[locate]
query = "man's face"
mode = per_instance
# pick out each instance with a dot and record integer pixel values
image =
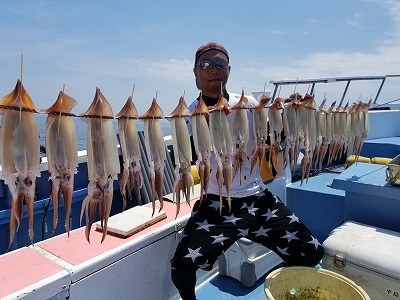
(209, 80)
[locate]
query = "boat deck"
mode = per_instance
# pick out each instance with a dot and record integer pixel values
(225, 288)
(68, 268)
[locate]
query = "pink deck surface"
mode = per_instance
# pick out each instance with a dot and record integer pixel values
(23, 268)
(76, 250)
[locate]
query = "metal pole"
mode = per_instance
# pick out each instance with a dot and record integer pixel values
(275, 89)
(345, 91)
(379, 90)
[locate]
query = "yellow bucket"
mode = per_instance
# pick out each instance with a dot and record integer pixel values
(297, 283)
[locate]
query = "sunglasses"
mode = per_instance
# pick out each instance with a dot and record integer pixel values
(208, 64)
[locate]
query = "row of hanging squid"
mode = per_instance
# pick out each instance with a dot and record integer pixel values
(303, 125)
(320, 131)
(317, 131)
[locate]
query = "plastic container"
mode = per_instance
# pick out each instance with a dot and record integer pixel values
(368, 255)
(290, 283)
(247, 261)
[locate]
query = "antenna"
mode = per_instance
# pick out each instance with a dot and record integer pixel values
(20, 88)
(133, 90)
(22, 63)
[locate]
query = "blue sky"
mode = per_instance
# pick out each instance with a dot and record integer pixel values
(115, 44)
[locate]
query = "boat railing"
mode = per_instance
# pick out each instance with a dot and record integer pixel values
(313, 81)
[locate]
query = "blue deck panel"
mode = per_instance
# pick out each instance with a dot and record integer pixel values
(320, 207)
(369, 198)
(383, 147)
(369, 179)
(226, 288)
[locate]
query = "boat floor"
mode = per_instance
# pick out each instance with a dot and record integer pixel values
(220, 287)
(225, 287)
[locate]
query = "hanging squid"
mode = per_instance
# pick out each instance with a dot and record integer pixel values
(275, 128)
(155, 149)
(240, 135)
(222, 145)
(289, 116)
(19, 154)
(202, 144)
(260, 130)
(103, 162)
(327, 141)
(182, 153)
(310, 140)
(320, 120)
(62, 155)
(306, 125)
(339, 123)
(129, 142)
(360, 126)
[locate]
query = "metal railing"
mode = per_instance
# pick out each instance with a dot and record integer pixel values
(313, 81)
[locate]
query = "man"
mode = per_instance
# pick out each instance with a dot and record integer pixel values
(255, 213)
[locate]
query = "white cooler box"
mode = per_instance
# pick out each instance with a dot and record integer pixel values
(368, 255)
(247, 261)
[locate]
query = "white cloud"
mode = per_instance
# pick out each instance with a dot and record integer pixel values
(377, 60)
(276, 31)
(312, 21)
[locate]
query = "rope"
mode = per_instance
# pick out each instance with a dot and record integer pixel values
(18, 108)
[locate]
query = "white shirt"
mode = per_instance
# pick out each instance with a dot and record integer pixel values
(251, 183)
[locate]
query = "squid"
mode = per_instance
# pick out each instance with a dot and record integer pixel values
(182, 153)
(304, 138)
(347, 135)
(19, 155)
(353, 128)
(62, 155)
(260, 131)
(103, 162)
(240, 135)
(155, 150)
(299, 139)
(222, 144)
(320, 120)
(202, 144)
(327, 141)
(339, 122)
(131, 156)
(276, 128)
(360, 126)
(310, 140)
(289, 116)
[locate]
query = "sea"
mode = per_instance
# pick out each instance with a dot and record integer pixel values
(81, 129)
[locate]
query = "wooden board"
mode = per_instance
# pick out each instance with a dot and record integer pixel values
(132, 221)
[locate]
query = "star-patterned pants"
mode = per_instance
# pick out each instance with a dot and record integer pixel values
(262, 218)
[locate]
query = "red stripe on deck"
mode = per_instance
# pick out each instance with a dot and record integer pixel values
(76, 250)
(22, 268)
